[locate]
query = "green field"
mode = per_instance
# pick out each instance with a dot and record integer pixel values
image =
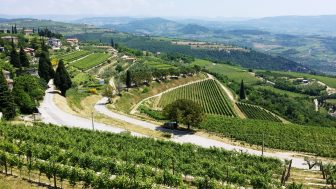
(234, 73)
(207, 94)
(332, 101)
(157, 63)
(312, 139)
(107, 160)
(279, 91)
(255, 112)
(91, 61)
(73, 56)
(330, 81)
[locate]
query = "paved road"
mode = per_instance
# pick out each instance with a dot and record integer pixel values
(52, 114)
(183, 137)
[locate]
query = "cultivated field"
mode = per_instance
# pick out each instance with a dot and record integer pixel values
(106, 160)
(255, 112)
(233, 73)
(74, 56)
(207, 94)
(91, 61)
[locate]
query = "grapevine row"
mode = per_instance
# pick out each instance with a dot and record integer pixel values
(254, 112)
(207, 94)
(139, 159)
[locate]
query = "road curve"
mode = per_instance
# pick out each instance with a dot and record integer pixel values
(52, 114)
(183, 137)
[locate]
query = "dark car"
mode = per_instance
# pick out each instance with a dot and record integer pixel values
(170, 125)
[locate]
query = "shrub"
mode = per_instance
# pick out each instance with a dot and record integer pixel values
(93, 91)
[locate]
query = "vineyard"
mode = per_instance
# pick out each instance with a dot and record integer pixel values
(160, 66)
(255, 112)
(91, 61)
(312, 139)
(106, 160)
(207, 94)
(74, 56)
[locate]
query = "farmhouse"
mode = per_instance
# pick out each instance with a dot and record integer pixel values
(8, 79)
(30, 51)
(10, 39)
(128, 59)
(55, 43)
(72, 41)
(28, 32)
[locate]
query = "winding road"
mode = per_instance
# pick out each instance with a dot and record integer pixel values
(50, 113)
(53, 114)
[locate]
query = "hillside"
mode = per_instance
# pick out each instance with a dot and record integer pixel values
(278, 36)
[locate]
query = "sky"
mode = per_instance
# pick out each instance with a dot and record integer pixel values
(169, 8)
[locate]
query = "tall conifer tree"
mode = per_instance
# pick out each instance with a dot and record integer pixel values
(7, 105)
(62, 79)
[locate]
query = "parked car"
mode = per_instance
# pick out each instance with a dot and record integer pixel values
(171, 125)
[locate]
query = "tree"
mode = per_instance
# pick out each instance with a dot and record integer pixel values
(108, 92)
(14, 57)
(128, 79)
(7, 105)
(23, 58)
(45, 69)
(242, 93)
(27, 91)
(62, 79)
(184, 111)
(112, 43)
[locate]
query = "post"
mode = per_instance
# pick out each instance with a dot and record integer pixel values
(263, 144)
(92, 120)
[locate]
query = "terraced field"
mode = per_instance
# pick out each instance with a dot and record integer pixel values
(255, 112)
(206, 93)
(158, 65)
(74, 56)
(91, 61)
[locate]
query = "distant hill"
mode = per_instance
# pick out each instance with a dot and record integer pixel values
(307, 25)
(147, 26)
(3, 20)
(105, 21)
(193, 29)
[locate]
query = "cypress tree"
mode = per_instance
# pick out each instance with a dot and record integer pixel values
(62, 79)
(23, 58)
(45, 69)
(14, 57)
(7, 105)
(112, 43)
(242, 94)
(128, 79)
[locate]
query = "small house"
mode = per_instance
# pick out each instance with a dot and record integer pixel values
(9, 38)
(2, 49)
(10, 82)
(55, 43)
(30, 51)
(72, 41)
(128, 59)
(28, 32)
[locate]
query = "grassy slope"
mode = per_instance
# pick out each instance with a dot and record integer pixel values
(131, 98)
(331, 82)
(232, 72)
(91, 61)
(279, 91)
